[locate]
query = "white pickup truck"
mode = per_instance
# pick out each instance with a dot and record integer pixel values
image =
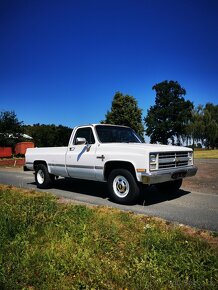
(116, 155)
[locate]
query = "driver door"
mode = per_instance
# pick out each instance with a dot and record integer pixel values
(80, 158)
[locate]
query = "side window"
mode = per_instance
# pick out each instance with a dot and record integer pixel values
(85, 133)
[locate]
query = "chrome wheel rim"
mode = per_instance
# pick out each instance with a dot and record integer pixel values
(40, 176)
(121, 186)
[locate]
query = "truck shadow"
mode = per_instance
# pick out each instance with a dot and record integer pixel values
(149, 195)
(85, 187)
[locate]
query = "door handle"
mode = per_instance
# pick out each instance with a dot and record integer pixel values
(72, 148)
(102, 157)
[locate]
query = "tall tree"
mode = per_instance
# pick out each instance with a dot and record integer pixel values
(211, 125)
(204, 125)
(196, 127)
(11, 128)
(168, 118)
(125, 111)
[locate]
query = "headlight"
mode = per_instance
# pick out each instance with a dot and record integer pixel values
(190, 158)
(153, 166)
(153, 161)
(153, 158)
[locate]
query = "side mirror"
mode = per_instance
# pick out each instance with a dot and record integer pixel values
(80, 141)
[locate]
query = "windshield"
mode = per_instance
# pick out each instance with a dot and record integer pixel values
(116, 134)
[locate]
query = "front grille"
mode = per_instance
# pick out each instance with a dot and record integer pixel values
(172, 159)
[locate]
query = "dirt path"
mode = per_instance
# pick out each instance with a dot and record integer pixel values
(206, 179)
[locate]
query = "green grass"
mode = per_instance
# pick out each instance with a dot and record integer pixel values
(206, 153)
(48, 245)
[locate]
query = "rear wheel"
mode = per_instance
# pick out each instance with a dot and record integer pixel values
(122, 186)
(42, 177)
(169, 186)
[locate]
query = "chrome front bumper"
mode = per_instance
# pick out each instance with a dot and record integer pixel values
(168, 175)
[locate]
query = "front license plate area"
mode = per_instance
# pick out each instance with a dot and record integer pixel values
(180, 174)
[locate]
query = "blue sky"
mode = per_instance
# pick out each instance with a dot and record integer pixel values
(61, 62)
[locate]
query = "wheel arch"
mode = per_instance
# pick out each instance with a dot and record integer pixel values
(37, 162)
(111, 165)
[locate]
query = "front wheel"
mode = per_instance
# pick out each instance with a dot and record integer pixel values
(170, 186)
(122, 186)
(42, 177)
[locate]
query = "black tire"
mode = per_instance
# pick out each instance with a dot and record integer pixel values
(42, 177)
(169, 186)
(123, 187)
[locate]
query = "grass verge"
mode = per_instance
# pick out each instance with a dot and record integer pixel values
(45, 244)
(206, 153)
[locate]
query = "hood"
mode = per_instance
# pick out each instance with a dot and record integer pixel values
(145, 147)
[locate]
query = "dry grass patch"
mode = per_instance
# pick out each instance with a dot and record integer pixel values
(204, 154)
